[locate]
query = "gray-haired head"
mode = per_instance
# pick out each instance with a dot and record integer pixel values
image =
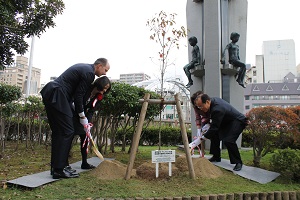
(102, 61)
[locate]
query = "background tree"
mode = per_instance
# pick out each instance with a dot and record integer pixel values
(21, 19)
(164, 32)
(8, 93)
(33, 109)
(270, 128)
(120, 109)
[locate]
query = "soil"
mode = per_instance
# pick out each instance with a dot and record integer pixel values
(113, 169)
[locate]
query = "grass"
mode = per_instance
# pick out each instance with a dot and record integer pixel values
(16, 163)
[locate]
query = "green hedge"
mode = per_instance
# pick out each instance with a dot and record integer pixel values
(287, 163)
(150, 136)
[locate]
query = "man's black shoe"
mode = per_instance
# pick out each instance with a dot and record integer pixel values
(64, 174)
(87, 166)
(238, 167)
(214, 159)
(70, 169)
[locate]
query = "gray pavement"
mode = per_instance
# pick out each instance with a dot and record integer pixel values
(42, 178)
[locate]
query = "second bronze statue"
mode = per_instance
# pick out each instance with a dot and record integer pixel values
(234, 57)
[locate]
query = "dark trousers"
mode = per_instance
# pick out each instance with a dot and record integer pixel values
(83, 149)
(242, 70)
(62, 135)
(229, 135)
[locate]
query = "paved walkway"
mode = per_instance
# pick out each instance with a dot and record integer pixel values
(42, 178)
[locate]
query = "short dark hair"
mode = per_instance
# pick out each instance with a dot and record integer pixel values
(199, 94)
(194, 96)
(102, 61)
(205, 98)
(101, 82)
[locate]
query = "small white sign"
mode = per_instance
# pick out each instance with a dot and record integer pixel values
(161, 156)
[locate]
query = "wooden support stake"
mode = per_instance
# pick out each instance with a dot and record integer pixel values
(136, 136)
(185, 138)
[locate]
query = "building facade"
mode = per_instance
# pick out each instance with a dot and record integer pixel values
(278, 59)
(17, 75)
(284, 94)
(133, 78)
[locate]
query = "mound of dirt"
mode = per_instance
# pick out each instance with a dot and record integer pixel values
(202, 167)
(112, 169)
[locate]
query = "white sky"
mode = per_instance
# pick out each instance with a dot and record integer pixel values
(117, 31)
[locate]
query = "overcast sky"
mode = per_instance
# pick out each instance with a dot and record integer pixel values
(117, 31)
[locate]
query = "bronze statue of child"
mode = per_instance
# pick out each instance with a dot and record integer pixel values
(234, 58)
(196, 59)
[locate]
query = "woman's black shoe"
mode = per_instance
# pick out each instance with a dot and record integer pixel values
(63, 174)
(87, 166)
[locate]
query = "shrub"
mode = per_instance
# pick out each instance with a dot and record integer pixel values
(287, 162)
(170, 136)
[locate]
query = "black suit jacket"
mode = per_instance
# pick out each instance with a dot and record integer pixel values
(223, 116)
(69, 87)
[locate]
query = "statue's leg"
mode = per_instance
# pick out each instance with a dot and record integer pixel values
(242, 70)
(188, 73)
(241, 73)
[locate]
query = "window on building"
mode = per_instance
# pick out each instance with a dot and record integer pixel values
(247, 97)
(247, 107)
(256, 88)
(269, 88)
(254, 73)
(285, 88)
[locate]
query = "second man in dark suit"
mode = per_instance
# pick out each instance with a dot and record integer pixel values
(226, 124)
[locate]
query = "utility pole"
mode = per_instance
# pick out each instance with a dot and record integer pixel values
(30, 66)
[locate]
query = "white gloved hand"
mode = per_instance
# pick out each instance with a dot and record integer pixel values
(203, 138)
(195, 143)
(205, 128)
(87, 129)
(199, 133)
(83, 121)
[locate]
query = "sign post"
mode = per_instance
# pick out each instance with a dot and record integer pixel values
(163, 156)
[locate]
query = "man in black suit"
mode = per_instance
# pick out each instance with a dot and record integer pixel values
(58, 96)
(226, 124)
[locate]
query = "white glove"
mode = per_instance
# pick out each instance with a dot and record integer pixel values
(199, 133)
(87, 129)
(195, 143)
(205, 128)
(203, 138)
(83, 121)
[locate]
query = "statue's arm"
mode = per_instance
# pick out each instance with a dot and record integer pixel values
(223, 54)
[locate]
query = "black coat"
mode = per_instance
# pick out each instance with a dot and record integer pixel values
(223, 116)
(69, 87)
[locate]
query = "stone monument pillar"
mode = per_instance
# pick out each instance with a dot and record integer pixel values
(212, 21)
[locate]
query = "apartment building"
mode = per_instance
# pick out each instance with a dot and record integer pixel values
(284, 94)
(133, 78)
(17, 74)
